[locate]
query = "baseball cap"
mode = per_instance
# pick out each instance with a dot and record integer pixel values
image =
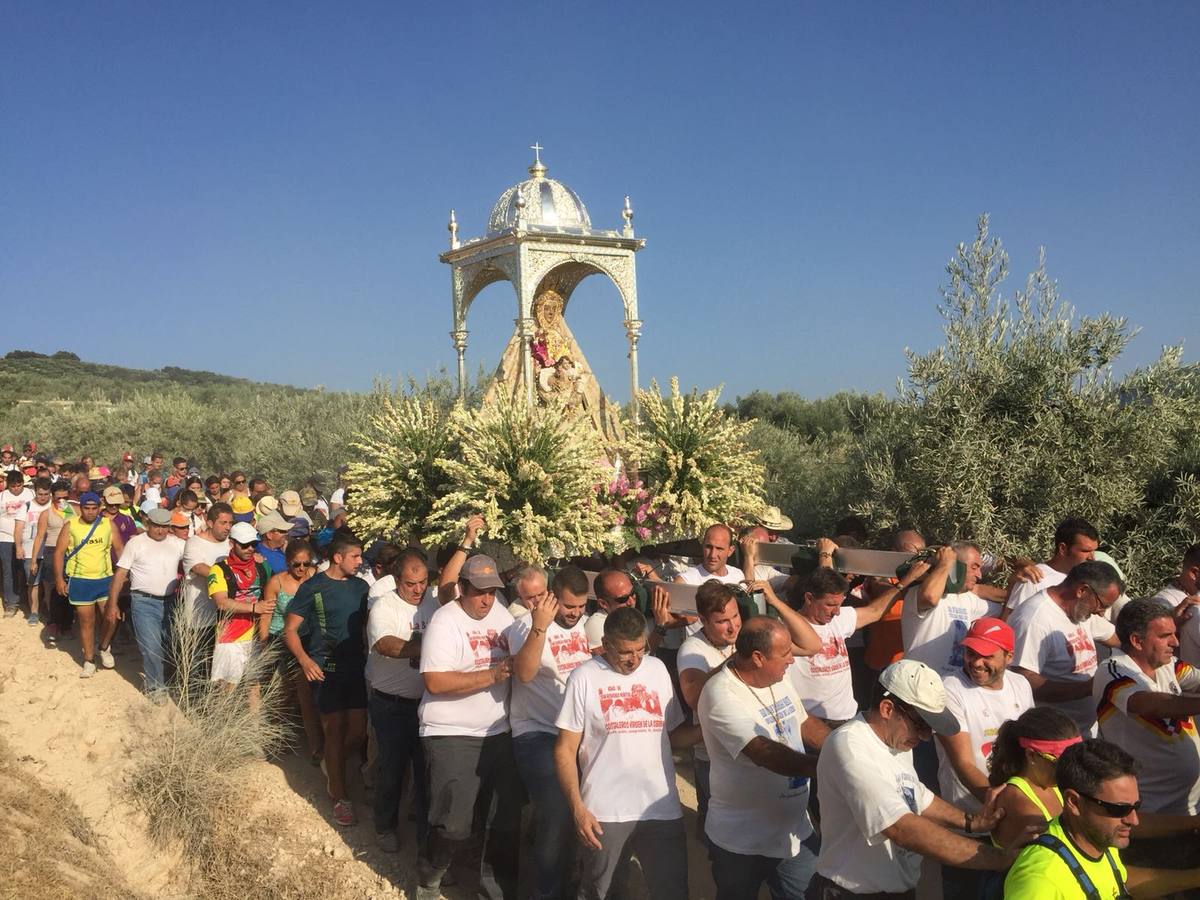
(31, 445)
(988, 635)
(7, 448)
(128, 457)
(113, 495)
(308, 497)
(89, 497)
(481, 572)
(158, 515)
(289, 503)
(919, 687)
(273, 521)
(243, 533)
(265, 506)
(179, 520)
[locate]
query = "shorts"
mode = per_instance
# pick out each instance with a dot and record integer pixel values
(32, 580)
(86, 591)
(229, 660)
(341, 691)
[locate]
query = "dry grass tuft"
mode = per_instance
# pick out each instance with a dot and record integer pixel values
(50, 848)
(192, 776)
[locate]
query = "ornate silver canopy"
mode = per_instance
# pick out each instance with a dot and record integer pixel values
(540, 238)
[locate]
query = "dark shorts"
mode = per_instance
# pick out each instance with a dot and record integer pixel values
(341, 691)
(86, 591)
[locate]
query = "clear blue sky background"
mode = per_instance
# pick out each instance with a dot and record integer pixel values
(262, 189)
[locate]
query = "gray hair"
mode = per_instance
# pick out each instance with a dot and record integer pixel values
(525, 573)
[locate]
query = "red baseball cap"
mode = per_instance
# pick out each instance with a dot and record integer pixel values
(988, 635)
(128, 457)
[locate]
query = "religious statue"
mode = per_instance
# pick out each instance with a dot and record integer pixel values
(555, 374)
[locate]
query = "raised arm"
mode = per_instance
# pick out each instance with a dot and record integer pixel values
(934, 585)
(448, 580)
(878, 608)
(805, 641)
(529, 658)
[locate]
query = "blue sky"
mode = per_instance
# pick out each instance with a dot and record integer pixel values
(262, 189)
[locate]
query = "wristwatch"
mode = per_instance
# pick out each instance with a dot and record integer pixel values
(660, 630)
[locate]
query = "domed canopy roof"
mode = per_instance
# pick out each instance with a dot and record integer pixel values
(540, 202)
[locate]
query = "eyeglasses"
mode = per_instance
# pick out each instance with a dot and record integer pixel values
(917, 722)
(1115, 810)
(300, 563)
(239, 481)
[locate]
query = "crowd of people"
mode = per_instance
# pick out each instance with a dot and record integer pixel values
(1026, 727)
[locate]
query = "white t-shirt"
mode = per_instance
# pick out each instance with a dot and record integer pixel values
(536, 703)
(392, 616)
(455, 642)
(1167, 750)
(698, 653)
(151, 498)
(1050, 644)
(698, 575)
(1189, 629)
(13, 507)
(626, 773)
(932, 637)
(753, 810)
(980, 712)
(864, 787)
(29, 532)
(338, 497)
(822, 681)
(1027, 589)
(197, 606)
(153, 566)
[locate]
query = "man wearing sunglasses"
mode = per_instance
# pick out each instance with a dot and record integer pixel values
(1056, 641)
(1147, 700)
(877, 819)
(1079, 856)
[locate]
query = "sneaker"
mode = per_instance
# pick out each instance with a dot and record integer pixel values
(33, 619)
(343, 813)
(89, 669)
(387, 841)
(106, 658)
(10, 611)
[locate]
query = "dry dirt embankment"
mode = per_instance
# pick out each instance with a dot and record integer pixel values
(67, 806)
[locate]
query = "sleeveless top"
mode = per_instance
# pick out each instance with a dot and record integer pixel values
(282, 599)
(93, 559)
(1027, 789)
(55, 520)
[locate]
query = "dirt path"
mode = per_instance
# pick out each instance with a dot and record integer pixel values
(74, 735)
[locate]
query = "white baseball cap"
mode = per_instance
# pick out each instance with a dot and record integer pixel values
(919, 686)
(243, 533)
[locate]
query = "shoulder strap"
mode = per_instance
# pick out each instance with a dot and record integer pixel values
(1056, 846)
(1023, 786)
(1108, 854)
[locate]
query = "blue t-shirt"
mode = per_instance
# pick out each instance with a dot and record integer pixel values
(335, 614)
(274, 558)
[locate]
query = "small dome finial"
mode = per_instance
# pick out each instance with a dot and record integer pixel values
(452, 227)
(538, 169)
(627, 215)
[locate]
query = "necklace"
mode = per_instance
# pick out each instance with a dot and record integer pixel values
(773, 709)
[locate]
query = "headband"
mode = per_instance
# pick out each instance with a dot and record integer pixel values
(1054, 748)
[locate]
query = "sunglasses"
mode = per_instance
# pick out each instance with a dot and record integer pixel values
(624, 598)
(1114, 810)
(299, 564)
(244, 546)
(239, 481)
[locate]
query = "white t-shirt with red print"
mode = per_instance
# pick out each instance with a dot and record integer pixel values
(823, 681)
(456, 642)
(1050, 644)
(626, 773)
(536, 703)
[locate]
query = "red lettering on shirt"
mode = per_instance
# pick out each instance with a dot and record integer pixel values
(485, 644)
(632, 708)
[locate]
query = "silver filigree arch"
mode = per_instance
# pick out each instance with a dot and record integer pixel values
(533, 260)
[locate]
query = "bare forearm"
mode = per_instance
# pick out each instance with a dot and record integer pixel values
(458, 683)
(779, 758)
(805, 641)
(390, 646)
(930, 839)
(1056, 691)
(685, 736)
(529, 658)
(567, 770)
(1156, 705)
(945, 814)
(1144, 883)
